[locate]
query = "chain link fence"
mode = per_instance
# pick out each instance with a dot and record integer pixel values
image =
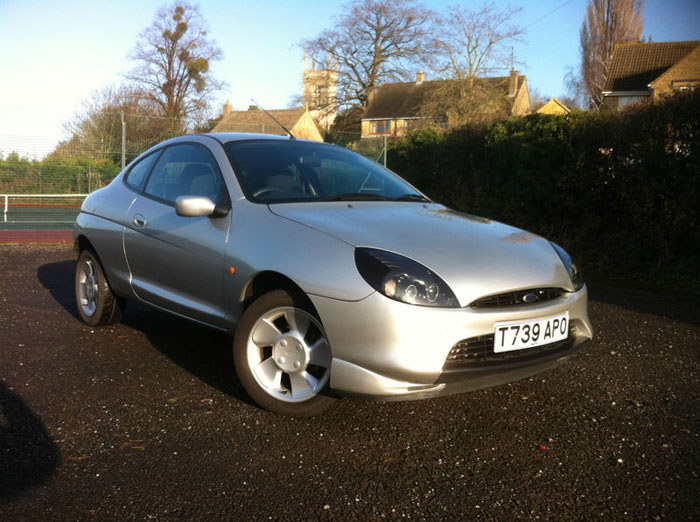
(42, 187)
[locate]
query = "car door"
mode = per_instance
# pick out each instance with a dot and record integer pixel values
(176, 262)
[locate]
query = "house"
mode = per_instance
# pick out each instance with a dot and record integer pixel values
(553, 106)
(644, 71)
(310, 121)
(396, 108)
(298, 121)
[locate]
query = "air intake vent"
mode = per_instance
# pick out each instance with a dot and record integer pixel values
(478, 351)
(518, 298)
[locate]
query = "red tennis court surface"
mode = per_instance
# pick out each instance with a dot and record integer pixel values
(48, 222)
(36, 236)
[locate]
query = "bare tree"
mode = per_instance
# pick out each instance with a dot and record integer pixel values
(475, 42)
(174, 56)
(537, 99)
(373, 41)
(607, 22)
(96, 128)
(472, 44)
(459, 102)
(570, 101)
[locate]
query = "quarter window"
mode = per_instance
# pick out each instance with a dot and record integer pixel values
(137, 174)
(185, 170)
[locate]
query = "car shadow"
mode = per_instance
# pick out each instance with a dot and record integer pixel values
(58, 279)
(29, 455)
(205, 353)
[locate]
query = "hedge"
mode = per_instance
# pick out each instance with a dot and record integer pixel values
(619, 190)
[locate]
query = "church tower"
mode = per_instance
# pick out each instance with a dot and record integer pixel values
(321, 91)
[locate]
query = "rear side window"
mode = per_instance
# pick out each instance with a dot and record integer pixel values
(137, 174)
(185, 170)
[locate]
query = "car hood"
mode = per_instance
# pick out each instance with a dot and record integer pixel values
(473, 255)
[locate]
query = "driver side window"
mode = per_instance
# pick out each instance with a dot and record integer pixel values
(185, 170)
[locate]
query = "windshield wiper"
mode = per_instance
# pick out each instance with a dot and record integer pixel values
(412, 197)
(357, 196)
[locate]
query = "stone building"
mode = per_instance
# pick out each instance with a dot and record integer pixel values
(299, 122)
(311, 121)
(554, 106)
(396, 108)
(320, 94)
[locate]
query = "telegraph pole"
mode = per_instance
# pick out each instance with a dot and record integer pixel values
(123, 140)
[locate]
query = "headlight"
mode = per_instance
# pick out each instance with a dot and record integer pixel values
(571, 267)
(402, 279)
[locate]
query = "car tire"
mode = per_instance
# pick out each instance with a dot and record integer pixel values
(282, 355)
(97, 304)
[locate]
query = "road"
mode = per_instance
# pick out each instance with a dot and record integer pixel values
(146, 421)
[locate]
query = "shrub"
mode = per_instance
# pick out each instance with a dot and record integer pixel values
(620, 190)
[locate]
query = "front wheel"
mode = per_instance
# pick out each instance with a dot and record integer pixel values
(282, 356)
(97, 305)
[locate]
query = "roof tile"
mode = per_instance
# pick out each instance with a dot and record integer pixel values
(254, 120)
(635, 66)
(404, 99)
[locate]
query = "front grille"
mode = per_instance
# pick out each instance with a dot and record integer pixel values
(478, 351)
(535, 295)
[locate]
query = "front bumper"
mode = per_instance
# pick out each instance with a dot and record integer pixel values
(385, 349)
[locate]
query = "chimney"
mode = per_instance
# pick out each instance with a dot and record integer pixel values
(227, 107)
(420, 77)
(513, 82)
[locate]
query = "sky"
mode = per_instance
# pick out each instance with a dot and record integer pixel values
(54, 54)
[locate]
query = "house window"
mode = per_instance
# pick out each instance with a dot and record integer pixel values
(411, 125)
(380, 127)
(624, 101)
(685, 85)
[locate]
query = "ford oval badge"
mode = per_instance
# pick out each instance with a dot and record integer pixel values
(530, 297)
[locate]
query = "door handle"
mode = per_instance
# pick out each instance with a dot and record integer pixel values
(139, 220)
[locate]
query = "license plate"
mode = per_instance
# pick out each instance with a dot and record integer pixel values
(528, 334)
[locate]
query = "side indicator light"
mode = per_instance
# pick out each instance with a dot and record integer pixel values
(233, 270)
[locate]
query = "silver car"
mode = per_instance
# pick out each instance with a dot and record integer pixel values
(334, 276)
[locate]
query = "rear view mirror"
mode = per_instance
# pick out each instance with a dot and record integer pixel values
(310, 160)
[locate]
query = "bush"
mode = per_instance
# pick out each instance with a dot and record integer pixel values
(620, 190)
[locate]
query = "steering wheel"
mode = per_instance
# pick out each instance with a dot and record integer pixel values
(266, 190)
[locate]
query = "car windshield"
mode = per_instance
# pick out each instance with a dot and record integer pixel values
(272, 171)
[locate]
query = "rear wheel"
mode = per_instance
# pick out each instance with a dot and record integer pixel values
(282, 355)
(97, 305)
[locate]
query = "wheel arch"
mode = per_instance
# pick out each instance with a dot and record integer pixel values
(81, 243)
(269, 280)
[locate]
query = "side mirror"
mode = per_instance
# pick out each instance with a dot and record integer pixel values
(195, 206)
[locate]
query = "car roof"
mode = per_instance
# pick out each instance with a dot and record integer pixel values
(225, 137)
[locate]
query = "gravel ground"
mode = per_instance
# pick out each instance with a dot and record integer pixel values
(145, 421)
